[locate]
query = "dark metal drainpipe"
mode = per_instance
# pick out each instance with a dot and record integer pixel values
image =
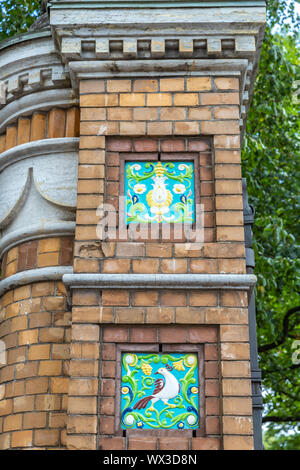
(257, 403)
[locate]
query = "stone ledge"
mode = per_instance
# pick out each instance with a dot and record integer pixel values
(161, 281)
(52, 273)
(38, 101)
(38, 148)
(34, 232)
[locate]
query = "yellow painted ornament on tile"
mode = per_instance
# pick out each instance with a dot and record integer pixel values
(159, 198)
(178, 365)
(146, 368)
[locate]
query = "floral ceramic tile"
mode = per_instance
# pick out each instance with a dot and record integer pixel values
(159, 391)
(160, 192)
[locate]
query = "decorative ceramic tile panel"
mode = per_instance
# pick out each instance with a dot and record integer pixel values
(159, 391)
(161, 192)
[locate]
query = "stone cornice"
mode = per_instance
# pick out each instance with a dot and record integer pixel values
(28, 64)
(24, 37)
(201, 39)
(153, 4)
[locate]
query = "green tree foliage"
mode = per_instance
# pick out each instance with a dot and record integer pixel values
(16, 16)
(271, 166)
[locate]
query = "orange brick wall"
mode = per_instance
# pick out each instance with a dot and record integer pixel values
(57, 389)
(124, 115)
(35, 328)
(41, 125)
(167, 110)
(217, 320)
(38, 254)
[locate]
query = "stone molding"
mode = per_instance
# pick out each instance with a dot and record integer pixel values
(38, 190)
(161, 281)
(98, 42)
(36, 232)
(51, 273)
(38, 101)
(30, 64)
(38, 148)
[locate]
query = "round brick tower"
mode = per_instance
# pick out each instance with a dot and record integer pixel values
(87, 300)
(39, 128)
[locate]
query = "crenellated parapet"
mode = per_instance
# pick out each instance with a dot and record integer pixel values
(33, 77)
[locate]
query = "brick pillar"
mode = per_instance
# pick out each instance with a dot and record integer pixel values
(35, 329)
(131, 119)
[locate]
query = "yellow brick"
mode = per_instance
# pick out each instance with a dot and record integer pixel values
(7, 298)
(11, 269)
(132, 99)
(82, 424)
(28, 337)
(227, 83)
(22, 293)
(99, 100)
(225, 234)
(39, 351)
(237, 406)
(21, 439)
(159, 99)
(59, 384)
(238, 442)
(48, 259)
(173, 114)
(237, 425)
(186, 128)
(145, 114)
(90, 171)
(92, 142)
(186, 99)
(49, 244)
(229, 218)
(159, 128)
(12, 310)
(200, 113)
(198, 83)
(172, 84)
(12, 423)
(118, 85)
(12, 255)
(145, 85)
(132, 128)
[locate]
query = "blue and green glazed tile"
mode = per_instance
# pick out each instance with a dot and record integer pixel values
(160, 192)
(159, 391)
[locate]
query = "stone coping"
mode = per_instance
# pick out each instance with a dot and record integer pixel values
(51, 273)
(161, 281)
(38, 148)
(153, 4)
(34, 232)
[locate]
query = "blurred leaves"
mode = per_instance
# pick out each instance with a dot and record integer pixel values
(17, 16)
(271, 166)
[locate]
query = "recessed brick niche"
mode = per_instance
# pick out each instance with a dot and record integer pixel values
(198, 340)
